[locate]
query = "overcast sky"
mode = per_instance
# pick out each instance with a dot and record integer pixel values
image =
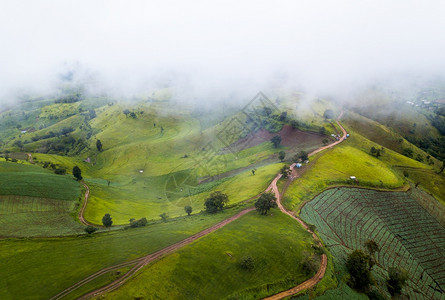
(322, 45)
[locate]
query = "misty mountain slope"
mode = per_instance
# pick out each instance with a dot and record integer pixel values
(418, 121)
(386, 137)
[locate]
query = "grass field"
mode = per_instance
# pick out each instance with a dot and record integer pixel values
(408, 236)
(209, 268)
(351, 158)
(334, 168)
(149, 197)
(40, 268)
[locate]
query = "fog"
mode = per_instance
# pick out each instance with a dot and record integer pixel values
(211, 49)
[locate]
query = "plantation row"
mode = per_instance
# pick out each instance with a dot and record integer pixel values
(22, 216)
(407, 235)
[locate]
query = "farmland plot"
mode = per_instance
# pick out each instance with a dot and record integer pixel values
(408, 236)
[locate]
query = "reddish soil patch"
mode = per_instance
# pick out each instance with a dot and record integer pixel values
(290, 138)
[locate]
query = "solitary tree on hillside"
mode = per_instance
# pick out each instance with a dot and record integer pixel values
(164, 217)
(77, 173)
(281, 155)
(285, 172)
(188, 209)
(283, 116)
(99, 145)
(215, 202)
(265, 202)
(106, 220)
(276, 140)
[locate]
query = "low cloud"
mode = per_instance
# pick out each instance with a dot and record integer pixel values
(219, 48)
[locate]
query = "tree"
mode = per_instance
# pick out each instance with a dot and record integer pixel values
(325, 141)
(300, 156)
(92, 113)
(443, 167)
(99, 145)
(283, 116)
(215, 202)
(77, 173)
(276, 140)
(294, 124)
(247, 263)
(267, 111)
(138, 223)
(396, 280)
(133, 115)
(358, 267)
(328, 114)
(253, 171)
(188, 209)
(322, 130)
(107, 221)
(164, 217)
(285, 172)
(90, 229)
(281, 155)
(126, 112)
(371, 247)
(265, 202)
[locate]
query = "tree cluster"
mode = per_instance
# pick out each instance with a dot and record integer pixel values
(138, 223)
(215, 202)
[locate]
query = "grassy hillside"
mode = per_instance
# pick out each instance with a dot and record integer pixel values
(276, 243)
(29, 264)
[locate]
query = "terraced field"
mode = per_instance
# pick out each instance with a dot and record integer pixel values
(36, 202)
(408, 236)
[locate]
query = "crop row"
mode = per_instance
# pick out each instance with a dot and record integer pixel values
(406, 233)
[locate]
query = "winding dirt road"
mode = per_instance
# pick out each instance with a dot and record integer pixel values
(311, 282)
(143, 261)
(84, 206)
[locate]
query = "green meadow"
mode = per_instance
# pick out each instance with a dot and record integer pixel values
(210, 267)
(43, 267)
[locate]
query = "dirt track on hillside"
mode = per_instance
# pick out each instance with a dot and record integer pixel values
(84, 206)
(141, 262)
(311, 282)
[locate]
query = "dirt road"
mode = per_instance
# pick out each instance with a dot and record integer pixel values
(84, 206)
(141, 262)
(324, 260)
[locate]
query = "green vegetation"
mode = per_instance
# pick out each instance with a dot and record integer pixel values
(45, 260)
(265, 202)
(216, 202)
(276, 246)
(36, 202)
(346, 218)
(334, 168)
